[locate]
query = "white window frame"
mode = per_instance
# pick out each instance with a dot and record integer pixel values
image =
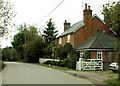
(99, 54)
(60, 40)
(68, 38)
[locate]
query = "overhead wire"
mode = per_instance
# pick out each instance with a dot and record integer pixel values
(51, 12)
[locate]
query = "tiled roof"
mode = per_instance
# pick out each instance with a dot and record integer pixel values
(77, 26)
(73, 28)
(98, 40)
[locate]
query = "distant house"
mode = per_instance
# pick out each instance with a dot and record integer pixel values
(90, 34)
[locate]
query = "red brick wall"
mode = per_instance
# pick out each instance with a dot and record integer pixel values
(93, 54)
(78, 37)
(113, 56)
(72, 40)
(64, 40)
(97, 25)
(104, 56)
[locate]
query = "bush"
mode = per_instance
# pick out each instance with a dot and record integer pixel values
(60, 63)
(53, 62)
(47, 62)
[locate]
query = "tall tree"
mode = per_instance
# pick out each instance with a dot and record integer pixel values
(50, 32)
(28, 43)
(111, 12)
(6, 15)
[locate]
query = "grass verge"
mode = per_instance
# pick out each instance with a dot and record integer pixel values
(56, 67)
(113, 82)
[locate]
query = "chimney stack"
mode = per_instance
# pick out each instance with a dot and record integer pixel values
(87, 18)
(66, 25)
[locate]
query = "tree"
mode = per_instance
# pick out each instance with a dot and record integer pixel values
(18, 41)
(60, 53)
(28, 44)
(68, 55)
(50, 33)
(111, 12)
(6, 15)
(9, 54)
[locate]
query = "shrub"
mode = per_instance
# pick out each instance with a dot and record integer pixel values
(60, 63)
(53, 62)
(47, 62)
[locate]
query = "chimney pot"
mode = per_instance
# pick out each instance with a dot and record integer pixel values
(65, 21)
(88, 7)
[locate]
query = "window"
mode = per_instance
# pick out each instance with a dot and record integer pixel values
(99, 54)
(60, 40)
(68, 38)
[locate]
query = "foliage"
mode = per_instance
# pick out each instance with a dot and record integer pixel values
(60, 53)
(64, 51)
(61, 63)
(50, 33)
(28, 44)
(6, 15)
(86, 55)
(53, 62)
(68, 47)
(118, 60)
(33, 50)
(50, 51)
(47, 62)
(67, 55)
(9, 54)
(72, 60)
(112, 15)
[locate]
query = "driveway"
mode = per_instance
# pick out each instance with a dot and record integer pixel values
(22, 73)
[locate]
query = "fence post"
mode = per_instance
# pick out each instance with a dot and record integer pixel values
(80, 64)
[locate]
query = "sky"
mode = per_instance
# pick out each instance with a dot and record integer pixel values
(35, 12)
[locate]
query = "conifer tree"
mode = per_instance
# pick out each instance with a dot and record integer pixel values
(50, 34)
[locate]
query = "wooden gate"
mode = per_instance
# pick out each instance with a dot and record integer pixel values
(89, 64)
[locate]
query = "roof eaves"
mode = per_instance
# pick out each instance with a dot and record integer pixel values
(113, 31)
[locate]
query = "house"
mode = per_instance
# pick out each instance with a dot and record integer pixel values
(90, 34)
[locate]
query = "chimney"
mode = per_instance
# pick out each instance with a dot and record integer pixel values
(87, 18)
(66, 25)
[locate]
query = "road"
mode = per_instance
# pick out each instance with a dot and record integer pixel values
(22, 73)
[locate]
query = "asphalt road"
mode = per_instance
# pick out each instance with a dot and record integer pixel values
(22, 73)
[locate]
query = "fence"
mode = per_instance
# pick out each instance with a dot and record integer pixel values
(89, 64)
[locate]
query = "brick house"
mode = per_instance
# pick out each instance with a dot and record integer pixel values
(90, 34)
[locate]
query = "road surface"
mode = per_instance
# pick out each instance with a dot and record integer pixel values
(22, 73)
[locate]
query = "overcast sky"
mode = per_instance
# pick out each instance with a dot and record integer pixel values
(33, 12)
